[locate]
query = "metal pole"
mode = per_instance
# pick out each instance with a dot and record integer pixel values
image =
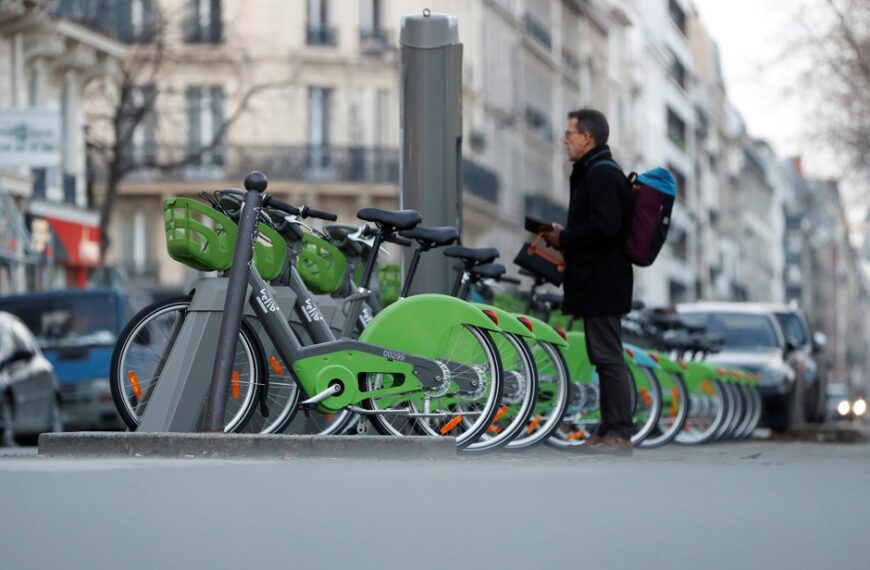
(431, 133)
(237, 287)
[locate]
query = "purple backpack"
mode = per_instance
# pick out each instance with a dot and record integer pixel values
(653, 194)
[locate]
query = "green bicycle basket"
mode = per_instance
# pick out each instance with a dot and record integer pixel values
(321, 265)
(389, 283)
(200, 237)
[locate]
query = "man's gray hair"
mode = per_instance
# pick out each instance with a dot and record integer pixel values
(592, 122)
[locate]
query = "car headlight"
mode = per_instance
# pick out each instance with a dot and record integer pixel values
(843, 407)
(859, 407)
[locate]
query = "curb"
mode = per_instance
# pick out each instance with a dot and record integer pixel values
(826, 434)
(241, 446)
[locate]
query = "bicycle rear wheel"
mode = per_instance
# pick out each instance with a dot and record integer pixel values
(553, 388)
(141, 352)
(707, 412)
(518, 397)
(675, 410)
(465, 353)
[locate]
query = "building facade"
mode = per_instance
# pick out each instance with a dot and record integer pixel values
(49, 232)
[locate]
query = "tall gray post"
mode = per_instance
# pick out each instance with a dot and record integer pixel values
(431, 134)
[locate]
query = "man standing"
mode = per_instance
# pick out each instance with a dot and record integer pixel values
(598, 276)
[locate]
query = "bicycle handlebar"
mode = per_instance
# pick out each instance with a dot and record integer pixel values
(303, 212)
(307, 212)
(511, 280)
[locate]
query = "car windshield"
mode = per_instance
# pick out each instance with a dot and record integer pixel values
(77, 320)
(744, 331)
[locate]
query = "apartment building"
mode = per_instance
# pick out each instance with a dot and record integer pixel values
(324, 122)
(49, 235)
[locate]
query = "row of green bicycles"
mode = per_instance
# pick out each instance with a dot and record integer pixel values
(332, 341)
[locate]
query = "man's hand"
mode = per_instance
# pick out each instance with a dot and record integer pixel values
(552, 236)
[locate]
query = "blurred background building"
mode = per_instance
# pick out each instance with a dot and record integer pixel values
(143, 99)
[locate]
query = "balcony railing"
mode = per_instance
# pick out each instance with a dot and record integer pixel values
(321, 35)
(372, 41)
(320, 163)
(480, 181)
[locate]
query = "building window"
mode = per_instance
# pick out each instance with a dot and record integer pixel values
(139, 25)
(538, 31)
(680, 179)
(205, 117)
(676, 129)
(203, 23)
(678, 71)
(677, 15)
(372, 38)
(142, 149)
(319, 155)
(318, 31)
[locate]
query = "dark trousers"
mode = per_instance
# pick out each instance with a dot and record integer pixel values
(604, 345)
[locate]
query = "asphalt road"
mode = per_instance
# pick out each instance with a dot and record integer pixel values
(749, 505)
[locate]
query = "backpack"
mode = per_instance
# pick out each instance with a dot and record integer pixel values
(652, 194)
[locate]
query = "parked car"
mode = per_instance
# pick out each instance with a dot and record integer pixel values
(29, 392)
(842, 404)
(76, 330)
(754, 340)
(802, 358)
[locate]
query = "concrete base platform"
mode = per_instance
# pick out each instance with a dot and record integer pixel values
(242, 446)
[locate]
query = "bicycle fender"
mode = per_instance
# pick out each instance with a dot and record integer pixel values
(543, 332)
(640, 356)
(507, 322)
(579, 366)
(410, 324)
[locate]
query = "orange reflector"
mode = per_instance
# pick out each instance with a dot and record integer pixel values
(720, 372)
(501, 411)
(494, 429)
(533, 425)
(574, 435)
(673, 409)
(675, 394)
(682, 364)
(630, 353)
(276, 366)
(708, 388)
(645, 396)
(562, 333)
(237, 390)
(654, 356)
(450, 425)
(136, 388)
(492, 316)
(526, 322)
(329, 416)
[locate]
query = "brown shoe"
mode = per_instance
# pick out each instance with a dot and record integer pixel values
(609, 445)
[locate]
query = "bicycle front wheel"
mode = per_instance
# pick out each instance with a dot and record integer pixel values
(141, 352)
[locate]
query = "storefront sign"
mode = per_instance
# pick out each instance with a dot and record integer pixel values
(29, 138)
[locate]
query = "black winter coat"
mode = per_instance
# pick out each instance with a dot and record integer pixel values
(598, 276)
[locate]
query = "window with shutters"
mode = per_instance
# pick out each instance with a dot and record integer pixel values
(202, 21)
(205, 117)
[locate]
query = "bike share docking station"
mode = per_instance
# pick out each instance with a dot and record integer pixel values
(194, 380)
